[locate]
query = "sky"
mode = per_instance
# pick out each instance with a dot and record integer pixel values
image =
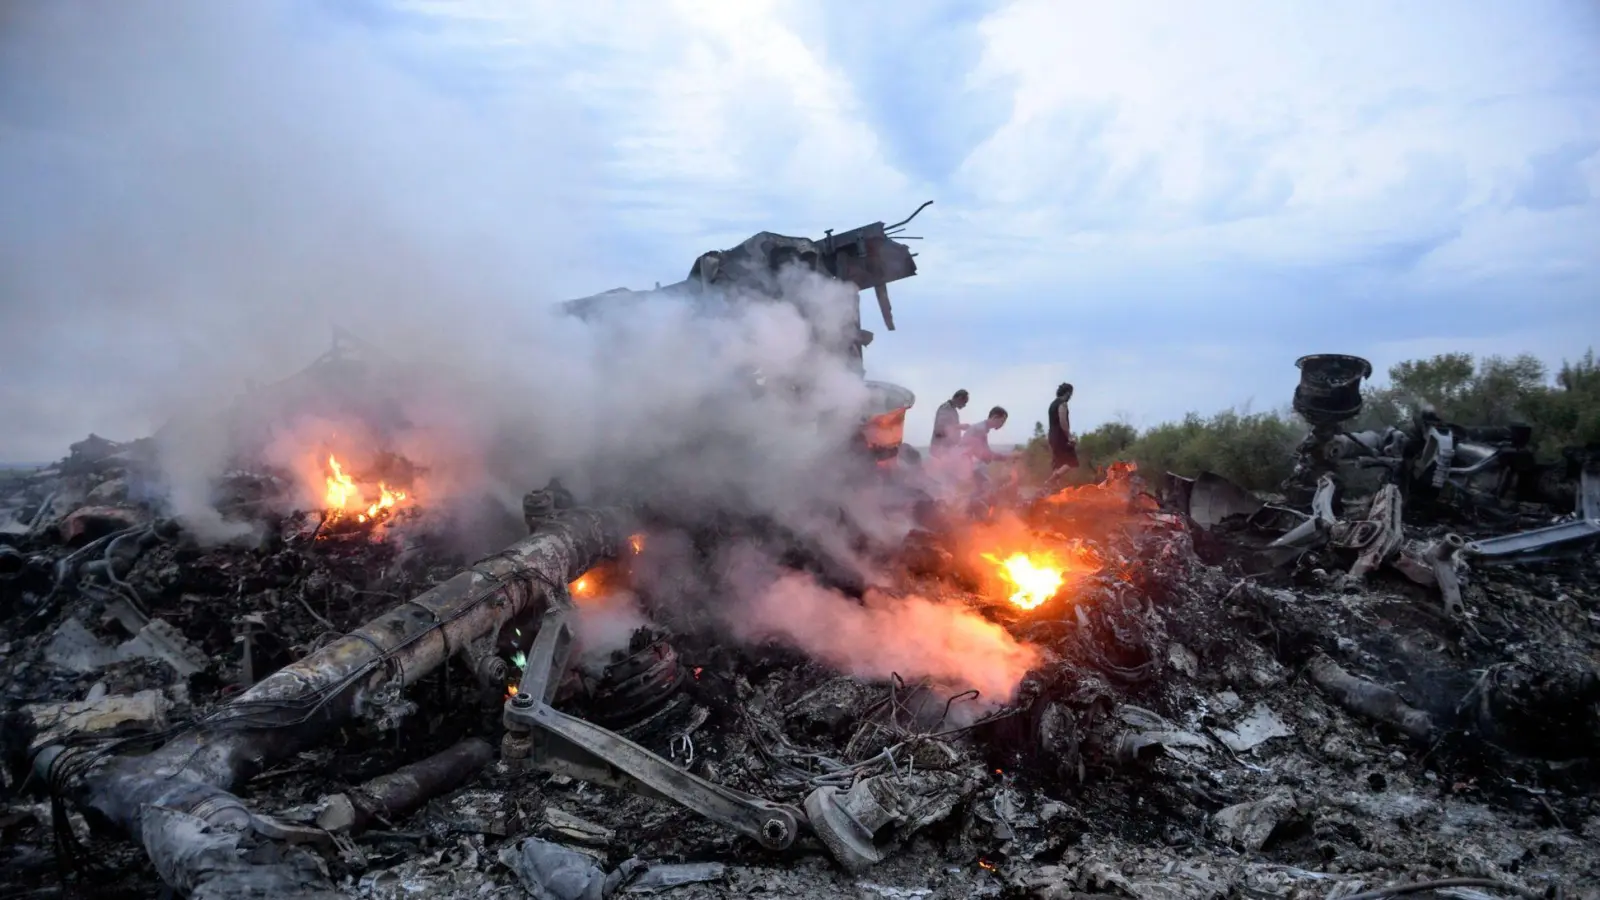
(1163, 203)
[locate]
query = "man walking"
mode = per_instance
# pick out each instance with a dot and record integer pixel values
(976, 441)
(1063, 446)
(947, 424)
(976, 455)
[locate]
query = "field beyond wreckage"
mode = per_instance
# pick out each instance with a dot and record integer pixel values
(1200, 725)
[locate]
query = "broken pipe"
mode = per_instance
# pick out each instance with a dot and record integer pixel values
(402, 791)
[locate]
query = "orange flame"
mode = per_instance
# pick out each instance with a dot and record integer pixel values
(340, 487)
(343, 496)
(1036, 577)
(637, 543)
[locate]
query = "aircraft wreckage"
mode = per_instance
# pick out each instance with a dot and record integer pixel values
(1110, 689)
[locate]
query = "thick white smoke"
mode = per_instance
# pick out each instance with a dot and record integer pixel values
(198, 191)
(910, 636)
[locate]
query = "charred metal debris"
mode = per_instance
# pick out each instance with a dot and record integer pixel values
(1383, 677)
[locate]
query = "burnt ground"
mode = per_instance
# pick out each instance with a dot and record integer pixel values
(1172, 746)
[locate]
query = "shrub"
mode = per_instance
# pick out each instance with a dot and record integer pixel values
(1495, 391)
(1255, 449)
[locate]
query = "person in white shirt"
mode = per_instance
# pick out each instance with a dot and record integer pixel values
(975, 442)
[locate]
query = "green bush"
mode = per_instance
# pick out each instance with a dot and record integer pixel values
(1255, 449)
(1495, 391)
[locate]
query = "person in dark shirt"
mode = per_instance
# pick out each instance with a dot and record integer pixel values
(1063, 446)
(947, 424)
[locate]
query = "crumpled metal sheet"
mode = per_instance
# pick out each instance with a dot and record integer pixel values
(550, 871)
(1260, 726)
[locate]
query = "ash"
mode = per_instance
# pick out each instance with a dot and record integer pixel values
(1207, 715)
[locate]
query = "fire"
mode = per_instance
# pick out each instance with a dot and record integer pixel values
(340, 488)
(1031, 566)
(597, 585)
(637, 543)
(344, 497)
(1036, 577)
(1119, 493)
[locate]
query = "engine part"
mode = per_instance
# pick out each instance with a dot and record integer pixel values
(846, 822)
(1330, 387)
(636, 685)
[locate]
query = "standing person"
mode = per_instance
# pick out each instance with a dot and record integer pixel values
(1063, 446)
(947, 424)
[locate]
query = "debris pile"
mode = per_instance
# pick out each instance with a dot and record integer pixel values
(1325, 694)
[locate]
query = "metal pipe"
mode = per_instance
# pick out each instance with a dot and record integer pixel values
(403, 790)
(360, 674)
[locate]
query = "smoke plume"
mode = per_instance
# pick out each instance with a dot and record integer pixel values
(911, 636)
(198, 192)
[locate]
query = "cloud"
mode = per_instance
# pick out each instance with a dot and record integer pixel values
(1164, 204)
(1558, 178)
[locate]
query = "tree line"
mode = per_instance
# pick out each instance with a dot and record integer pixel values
(1255, 448)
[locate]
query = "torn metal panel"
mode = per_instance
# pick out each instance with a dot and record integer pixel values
(1214, 499)
(1260, 726)
(1540, 544)
(75, 648)
(1317, 526)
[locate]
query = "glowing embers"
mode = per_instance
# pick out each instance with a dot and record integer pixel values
(582, 589)
(606, 578)
(1035, 579)
(1009, 560)
(1121, 493)
(351, 503)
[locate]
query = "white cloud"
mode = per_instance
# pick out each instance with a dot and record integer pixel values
(1341, 127)
(1149, 176)
(719, 112)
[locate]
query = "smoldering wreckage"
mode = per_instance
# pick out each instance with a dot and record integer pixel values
(1380, 682)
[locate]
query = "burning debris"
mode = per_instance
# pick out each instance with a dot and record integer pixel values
(1071, 691)
(346, 500)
